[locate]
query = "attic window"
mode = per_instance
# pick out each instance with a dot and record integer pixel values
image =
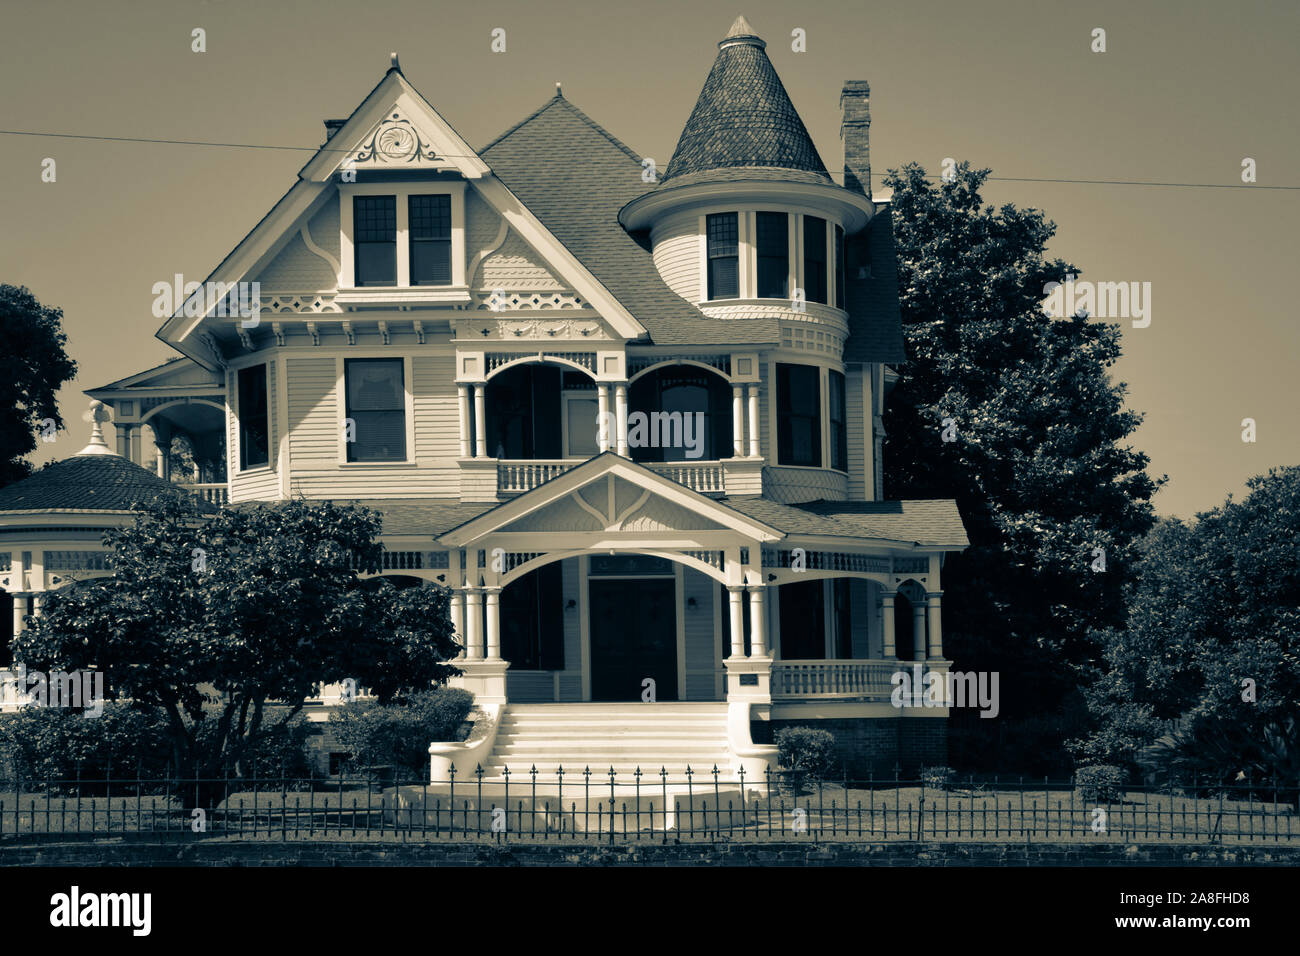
(375, 222)
(430, 226)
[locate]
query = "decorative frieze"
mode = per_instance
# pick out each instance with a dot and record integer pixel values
(808, 560)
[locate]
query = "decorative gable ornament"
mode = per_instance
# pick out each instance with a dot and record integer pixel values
(396, 141)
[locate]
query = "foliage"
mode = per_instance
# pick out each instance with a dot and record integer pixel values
(53, 743)
(398, 734)
(807, 752)
(1213, 640)
(1039, 464)
(33, 366)
(213, 621)
(1101, 782)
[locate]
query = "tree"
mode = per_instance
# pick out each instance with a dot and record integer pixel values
(33, 366)
(1014, 414)
(1212, 640)
(218, 621)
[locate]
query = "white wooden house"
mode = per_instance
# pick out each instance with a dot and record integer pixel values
(442, 332)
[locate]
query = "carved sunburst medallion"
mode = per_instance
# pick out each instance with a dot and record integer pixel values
(396, 142)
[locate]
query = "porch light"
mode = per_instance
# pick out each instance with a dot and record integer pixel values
(691, 604)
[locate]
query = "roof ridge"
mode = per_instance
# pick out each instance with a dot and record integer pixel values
(561, 100)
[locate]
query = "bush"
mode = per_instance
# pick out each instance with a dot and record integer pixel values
(805, 752)
(280, 750)
(398, 735)
(1099, 783)
(938, 778)
(50, 743)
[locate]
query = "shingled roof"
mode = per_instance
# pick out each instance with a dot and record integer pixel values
(744, 117)
(95, 482)
(575, 177)
(931, 523)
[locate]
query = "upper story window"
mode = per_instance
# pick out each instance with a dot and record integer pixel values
(374, 220)
(254, 430)
(430, 228)
(402, 236)
(724, 256)
(798, 415)
(839, 429)
(376, 409)
(773, 248)
(814, 259)
(839, 267)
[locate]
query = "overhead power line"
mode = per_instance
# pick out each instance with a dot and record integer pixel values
(877, 176)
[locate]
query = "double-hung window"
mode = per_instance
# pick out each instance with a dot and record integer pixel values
(839, 267)
(374, 223)
(376, 409)
(773, 241)
(254, 433)
(814, 259)
(839, 430)
(798, 415)
(724, 256)
(430, 231)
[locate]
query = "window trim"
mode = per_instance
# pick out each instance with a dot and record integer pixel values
(740, 256)
(411, 240)
(341, 414)
(238, 438)
(402, 193)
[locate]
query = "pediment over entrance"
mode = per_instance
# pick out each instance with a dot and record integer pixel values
(610, 494)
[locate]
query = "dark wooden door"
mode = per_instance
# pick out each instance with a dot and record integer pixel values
(633, 636)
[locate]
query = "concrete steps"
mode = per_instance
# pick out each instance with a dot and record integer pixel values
(670, 735)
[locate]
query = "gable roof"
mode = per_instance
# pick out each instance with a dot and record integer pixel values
(875, 322)
(95, 482)
(575, 176)
(744, 117)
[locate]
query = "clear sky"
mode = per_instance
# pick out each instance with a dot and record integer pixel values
(1184, 92)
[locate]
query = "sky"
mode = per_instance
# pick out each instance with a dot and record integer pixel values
(1182, 94)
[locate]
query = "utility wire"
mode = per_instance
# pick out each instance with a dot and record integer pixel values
(328, 149)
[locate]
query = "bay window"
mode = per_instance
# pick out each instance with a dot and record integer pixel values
(798, 415)
(724, 256)
(773, 242)
(814, 259)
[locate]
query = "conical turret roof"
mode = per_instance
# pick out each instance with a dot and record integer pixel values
(744, 118)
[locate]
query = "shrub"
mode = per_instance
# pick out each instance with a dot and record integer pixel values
(280, 749)
(50, 743)
(938, 778)
(806, 752)
(398, 735)
(1102, 782)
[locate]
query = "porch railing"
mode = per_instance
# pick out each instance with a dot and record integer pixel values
(214, 493)
(516, 476)
(828, 679)
(706, 477)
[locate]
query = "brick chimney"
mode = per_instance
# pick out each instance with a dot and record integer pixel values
(332, 126)
(855, 126)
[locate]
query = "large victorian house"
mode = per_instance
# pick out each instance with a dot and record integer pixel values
(630, 417)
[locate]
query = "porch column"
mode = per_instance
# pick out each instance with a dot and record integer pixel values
(737, 420)
(474, 624)
(602, 422)
(458, 614)
(887, 624)
(757, 621)
(736, 599)
(492, 612)
(20, 611)
(936, 630)
(918, 631)
(480, 425)
(462, 401)
(620, 405)
(753, 421)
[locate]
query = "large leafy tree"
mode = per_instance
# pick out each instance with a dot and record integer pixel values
(1035, 454)
(33, 366)
(227, 623)
(1212, 640)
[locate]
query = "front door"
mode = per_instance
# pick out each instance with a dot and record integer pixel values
(633, 636)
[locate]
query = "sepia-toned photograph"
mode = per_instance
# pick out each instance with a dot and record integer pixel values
(628, 439)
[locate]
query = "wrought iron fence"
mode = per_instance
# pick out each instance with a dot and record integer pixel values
(607, 806)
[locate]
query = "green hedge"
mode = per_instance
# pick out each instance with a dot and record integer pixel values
(398, 735)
